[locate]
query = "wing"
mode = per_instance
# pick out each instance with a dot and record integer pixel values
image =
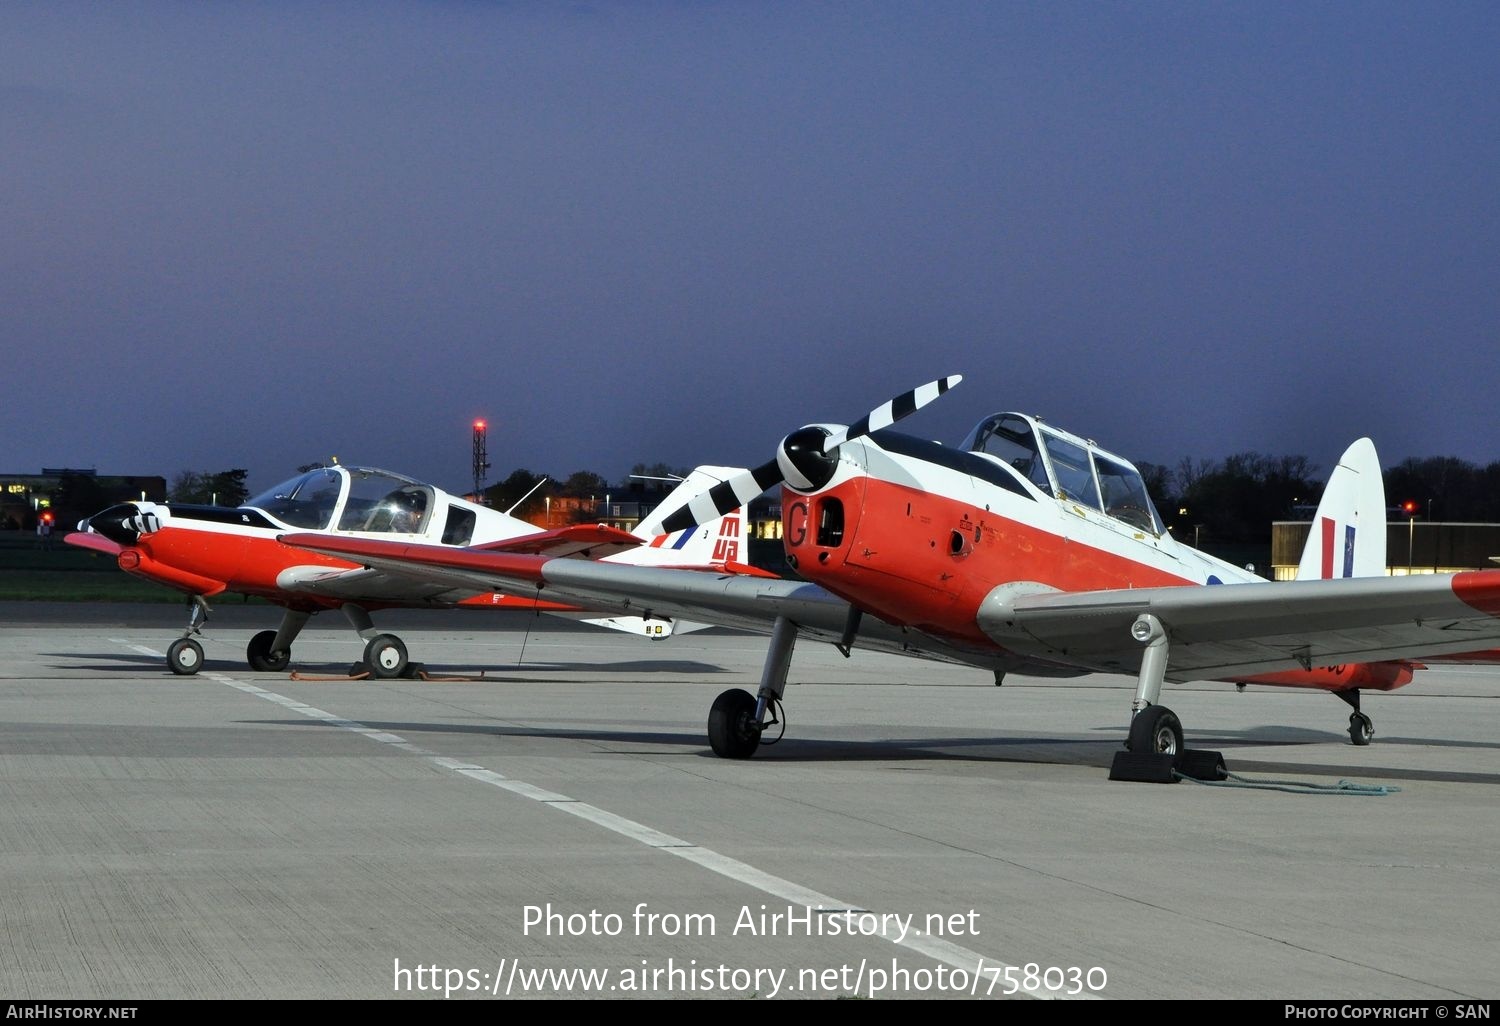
(1216, 632)
(370, 583)
(728, 599)
(1234, 630)
(748, 601)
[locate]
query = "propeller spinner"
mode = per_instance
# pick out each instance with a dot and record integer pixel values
(805, 459)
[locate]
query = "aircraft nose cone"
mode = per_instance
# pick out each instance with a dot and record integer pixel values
(803, 463)
(118, 523)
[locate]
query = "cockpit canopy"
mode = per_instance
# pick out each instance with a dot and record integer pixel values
(362, 499)
(1067, 467)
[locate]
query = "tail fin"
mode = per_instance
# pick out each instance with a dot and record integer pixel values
(1348, 531)
(716, 543)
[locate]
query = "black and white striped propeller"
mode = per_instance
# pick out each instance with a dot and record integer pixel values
(805, 459)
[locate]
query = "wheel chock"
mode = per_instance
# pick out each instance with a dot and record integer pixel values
(1202, 765)
(1155, 768)
(1143, 767)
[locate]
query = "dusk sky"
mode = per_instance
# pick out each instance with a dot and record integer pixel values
(262, 234)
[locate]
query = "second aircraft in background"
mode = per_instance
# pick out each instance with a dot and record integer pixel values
(206, 551)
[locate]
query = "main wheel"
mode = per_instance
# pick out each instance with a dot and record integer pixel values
(731, 732)
(1361, 729)
(386, 656)
(1155, 729)
(260, 657)
(185, 657)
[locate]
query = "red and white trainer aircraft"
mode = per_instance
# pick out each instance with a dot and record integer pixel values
(1026, 549)
(209, 550)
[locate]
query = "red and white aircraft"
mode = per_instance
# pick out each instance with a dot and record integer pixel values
(209, 550)
(1026, 549)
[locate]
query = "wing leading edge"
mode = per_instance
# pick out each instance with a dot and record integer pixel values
(1237, 629)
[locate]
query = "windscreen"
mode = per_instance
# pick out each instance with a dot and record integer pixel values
(305, 501)
(1011, 441)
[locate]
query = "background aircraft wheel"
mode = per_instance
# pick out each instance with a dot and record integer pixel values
(260, 656)
(386, 656)
(729, 731)
(1361, 729)
(1155, 729)
(185, 657)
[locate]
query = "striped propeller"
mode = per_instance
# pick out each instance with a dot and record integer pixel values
(805, 459)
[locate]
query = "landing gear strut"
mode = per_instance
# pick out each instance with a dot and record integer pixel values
(737, 718)
(1361, 727)
(1154, 729)
(1154, 750)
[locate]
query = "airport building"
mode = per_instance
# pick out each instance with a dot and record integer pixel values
(1411, 547)
(70, 493)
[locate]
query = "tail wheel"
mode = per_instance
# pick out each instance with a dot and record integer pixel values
(386, 656)
(260, 657)
(732, 731)
(1155, 730)
(185, 657)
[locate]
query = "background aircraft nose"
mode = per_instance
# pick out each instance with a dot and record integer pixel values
(122, 523)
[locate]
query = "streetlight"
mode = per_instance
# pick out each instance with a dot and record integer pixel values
(1409, 507)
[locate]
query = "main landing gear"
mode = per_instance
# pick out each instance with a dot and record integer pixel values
(737, 718)
(1154, 729)
(384, 655)
(271, 651)
(1154, 750)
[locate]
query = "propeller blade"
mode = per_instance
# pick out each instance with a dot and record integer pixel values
(736, 491)
(886, 414)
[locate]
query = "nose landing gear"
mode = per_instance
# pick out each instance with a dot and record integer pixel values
(185, 655)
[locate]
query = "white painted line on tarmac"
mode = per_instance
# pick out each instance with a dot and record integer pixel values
(939, 950)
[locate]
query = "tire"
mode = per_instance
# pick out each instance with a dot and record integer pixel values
(1361, 729)
(386, 656)
(1156, 729)
(730, 732)
(185, 657)
(260, 657)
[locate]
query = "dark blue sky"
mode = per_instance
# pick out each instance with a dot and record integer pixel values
(257, 235)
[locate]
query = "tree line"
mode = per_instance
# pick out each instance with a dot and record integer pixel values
(1236, 499)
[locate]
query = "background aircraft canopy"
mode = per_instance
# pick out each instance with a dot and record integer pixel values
(364, 499)
(308, 500)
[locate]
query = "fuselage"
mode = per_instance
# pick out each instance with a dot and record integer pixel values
(208, 550)
(922, 534)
